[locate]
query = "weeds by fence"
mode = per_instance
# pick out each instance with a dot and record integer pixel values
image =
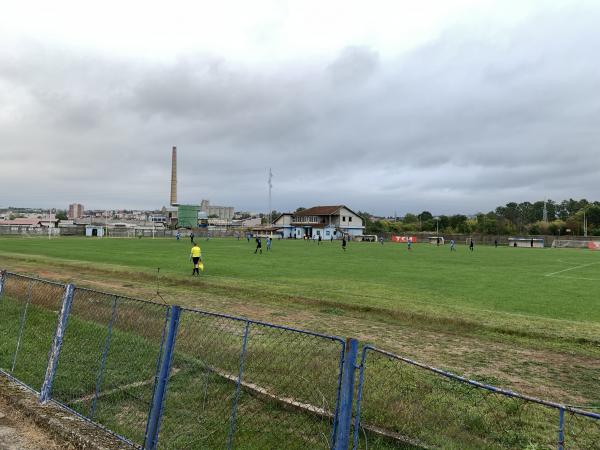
(160, 376)
(427, 407)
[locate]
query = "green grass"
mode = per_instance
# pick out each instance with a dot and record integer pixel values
(529, 299)
(489, 280)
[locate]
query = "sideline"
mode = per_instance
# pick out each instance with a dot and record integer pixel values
(578, 278)
(571, 268)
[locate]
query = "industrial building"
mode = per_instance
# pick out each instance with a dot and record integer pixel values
(187, 216)
(220, 212)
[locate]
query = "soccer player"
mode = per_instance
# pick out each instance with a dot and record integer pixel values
(496, 243)
(268, 243)
(258, 245)
(409, 244)
(319, 241)
(192, 237)
(344, 242)
(381, 240)
(471, 244)
(452, 243)
(195, 256)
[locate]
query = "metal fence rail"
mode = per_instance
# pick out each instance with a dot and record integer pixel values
(401, 400)
(159, 376)
(249, 384)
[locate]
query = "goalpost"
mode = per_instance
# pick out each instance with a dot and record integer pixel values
(434, 240)
(568, 243)
(572, 243)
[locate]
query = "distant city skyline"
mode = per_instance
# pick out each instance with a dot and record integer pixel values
(446, 106)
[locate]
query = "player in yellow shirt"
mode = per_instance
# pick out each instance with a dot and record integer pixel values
(195, 257)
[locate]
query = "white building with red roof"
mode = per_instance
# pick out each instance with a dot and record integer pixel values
(329, 222)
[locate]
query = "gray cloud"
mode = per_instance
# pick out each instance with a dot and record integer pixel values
(469, 121)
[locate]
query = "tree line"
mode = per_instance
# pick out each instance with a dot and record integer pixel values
(567, 217)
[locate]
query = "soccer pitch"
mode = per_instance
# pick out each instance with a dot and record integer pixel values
(561, 284)
(527, 319)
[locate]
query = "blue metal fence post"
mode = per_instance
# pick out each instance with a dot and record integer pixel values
(344, 418)
(238, 386)
(561, 429)
(156, 412)
(63, 317)
(2, 279)
(359, 394)
(338, 390)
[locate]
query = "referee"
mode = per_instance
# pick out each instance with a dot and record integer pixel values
(195, 256)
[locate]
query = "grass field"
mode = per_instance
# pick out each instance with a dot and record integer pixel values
(527, 319)
(560, 284)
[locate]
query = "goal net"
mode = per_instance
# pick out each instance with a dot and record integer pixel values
(435, 240)
(569, 243)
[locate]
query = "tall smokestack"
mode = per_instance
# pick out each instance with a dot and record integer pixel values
(174, 176)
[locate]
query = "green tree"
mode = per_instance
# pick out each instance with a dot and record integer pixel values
(425, 215)
(410, 218)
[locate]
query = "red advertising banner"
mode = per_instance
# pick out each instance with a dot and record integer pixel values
(403, 239)
(594, 245)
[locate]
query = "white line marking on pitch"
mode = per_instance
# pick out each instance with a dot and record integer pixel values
(578, 278)
(571, 268)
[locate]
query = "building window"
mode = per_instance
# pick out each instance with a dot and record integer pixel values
(343, 218)
(350, 219)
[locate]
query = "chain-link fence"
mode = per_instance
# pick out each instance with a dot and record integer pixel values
(243, 384)
(108, 363)
(405, 403)
(28, 318)
(162, 376)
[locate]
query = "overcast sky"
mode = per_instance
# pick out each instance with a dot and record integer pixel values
(447, 106)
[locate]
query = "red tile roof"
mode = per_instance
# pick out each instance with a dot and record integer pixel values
(319, 211)
(20, 222)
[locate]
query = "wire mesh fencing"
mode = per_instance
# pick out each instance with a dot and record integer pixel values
(404, 403)
(243, 384)
(109, 358)
(28, 317)
(160, 376)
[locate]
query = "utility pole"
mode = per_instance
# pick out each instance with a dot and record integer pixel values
(545, 213)
(270, 187)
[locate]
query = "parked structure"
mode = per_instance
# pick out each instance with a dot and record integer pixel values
(526, 242)
(94, 231)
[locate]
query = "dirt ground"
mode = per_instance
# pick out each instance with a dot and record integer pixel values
(25, 424)
(19, 433)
